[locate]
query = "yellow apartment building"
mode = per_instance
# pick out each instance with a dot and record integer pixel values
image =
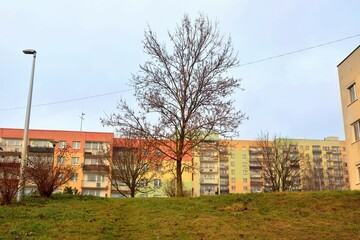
(349, 79)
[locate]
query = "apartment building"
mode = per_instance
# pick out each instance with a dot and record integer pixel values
(324, 164)
(349, 79)
(215, 167)
(234, 166)
(89, 153)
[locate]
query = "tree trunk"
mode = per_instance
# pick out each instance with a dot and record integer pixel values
(179, 187)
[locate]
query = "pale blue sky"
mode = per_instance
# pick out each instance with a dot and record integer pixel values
(87, 48)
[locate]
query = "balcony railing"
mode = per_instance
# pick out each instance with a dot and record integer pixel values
(224, 191)
(94, 184)
(209, 181)
(96, 153)
(41, 150)
(224, 159)
(224, 175)
(224, 167)
(255, 165)
(255, 184)
(209, 159)
(208, 170)
(95, 168)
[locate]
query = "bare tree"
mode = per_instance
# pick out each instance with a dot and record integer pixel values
(133, 166)
(279, 159)
(48, 173)
(312, 176)
(186, 89)
(9, 173)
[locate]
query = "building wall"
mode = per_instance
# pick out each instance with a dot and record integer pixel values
(349, 74)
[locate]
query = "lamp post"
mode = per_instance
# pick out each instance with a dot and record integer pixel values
(26, 129)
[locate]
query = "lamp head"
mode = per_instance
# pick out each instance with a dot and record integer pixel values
(29, 51)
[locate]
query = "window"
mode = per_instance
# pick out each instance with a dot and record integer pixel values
(61, 160)
(157, 183)
(74, 161)
(325, 148)
(74, 177)
(62, 144)
(352, 91)
(232, 156)
(306, 147)
(233, 164)
(244, 172)
(243, 148)
(244, 156)
(144, 183)
(244, 164)
(245, 188)
(233, 172)
(158, 168)
(76, 145)
(244, 180)
(233, 180)
(233, 188)
(356, 126)
(344, 149)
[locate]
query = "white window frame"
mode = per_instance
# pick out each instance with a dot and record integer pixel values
(352, 92)
(76, 145)
(157, 183)
(356, 127)
(74, 177)
(62, 144)
(74, 162)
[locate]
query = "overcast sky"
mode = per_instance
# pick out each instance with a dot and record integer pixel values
(89, 48)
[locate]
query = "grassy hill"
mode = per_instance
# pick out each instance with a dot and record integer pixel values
(305, 215)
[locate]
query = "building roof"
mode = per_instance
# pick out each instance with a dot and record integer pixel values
(348, 55)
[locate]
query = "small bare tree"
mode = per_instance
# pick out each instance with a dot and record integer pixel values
(186, 88)
(47, 173)
(312, 176)
(280, 160)
(9, 173)
(133, 166)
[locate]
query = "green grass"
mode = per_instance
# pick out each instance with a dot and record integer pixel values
(305, 215)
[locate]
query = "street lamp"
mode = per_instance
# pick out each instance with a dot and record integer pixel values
(26, 129)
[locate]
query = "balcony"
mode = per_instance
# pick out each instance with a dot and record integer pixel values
(208, 192)
(13, 166)
(209, 181)
(209, 159)
(10, 151)
(224, 159)
(96, 153)
(94, 184)
(336, 151)
(253, 150)
(224, 191)
(95, 168)
(206, 170)
(41, 150)
(224, 167)
(224, 175)
(255, 184)
(255, 165)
